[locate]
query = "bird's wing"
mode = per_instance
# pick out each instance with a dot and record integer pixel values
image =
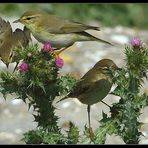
(66, 26)
(27, 33)
(21, 37)
(5, 40)
(5, 31)
(18, 37)
(82, 87)
(72, 27)
(76, 91)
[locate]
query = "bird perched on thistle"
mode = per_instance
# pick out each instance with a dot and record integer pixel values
(59, 32)
(10, 40)
(94, 86)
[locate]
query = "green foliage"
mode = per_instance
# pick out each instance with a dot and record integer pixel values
(125, 113)
(41, 83)
(41, 136)
(108, 127)
(86, 136)
(66, 83)
(37, 87)
(73, 134)
(132, 15)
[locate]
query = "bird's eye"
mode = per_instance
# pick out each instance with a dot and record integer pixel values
(105, 68)
(29, 18)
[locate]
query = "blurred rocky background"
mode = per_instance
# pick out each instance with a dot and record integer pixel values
(118, 23)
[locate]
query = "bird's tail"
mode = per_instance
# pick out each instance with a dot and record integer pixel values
(100, 40)
(103, 41)
(94, 28)
(93, 38)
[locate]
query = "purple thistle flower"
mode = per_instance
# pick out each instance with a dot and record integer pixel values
(47, 47)
(136, 42)
(23, 67)
(59, 62)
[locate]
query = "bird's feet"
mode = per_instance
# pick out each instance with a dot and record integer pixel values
(91, 135)
(57, 51)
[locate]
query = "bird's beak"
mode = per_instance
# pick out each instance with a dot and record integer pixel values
(17, 21)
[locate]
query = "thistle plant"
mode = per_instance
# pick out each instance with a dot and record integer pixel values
(37, 82)
(124, 114)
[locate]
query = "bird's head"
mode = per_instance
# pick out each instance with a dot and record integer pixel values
(105, 64)
(31, 19)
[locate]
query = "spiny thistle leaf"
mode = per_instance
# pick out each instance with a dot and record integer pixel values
(73, 134)
(106, 127)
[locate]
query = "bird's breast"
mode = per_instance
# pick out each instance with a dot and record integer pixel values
(96, 92)
(56, 40)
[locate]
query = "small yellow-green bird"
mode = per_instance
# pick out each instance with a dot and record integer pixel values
(59, 32)
(10, 40)
(95, 85)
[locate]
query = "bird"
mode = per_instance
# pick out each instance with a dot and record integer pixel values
(10, 40)
(60, 32)
(5, 41)
(94, 86)
(22, 37)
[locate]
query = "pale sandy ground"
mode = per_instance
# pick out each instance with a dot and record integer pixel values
(15, 118)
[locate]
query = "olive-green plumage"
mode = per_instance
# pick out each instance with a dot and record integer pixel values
(10, 40)
(95, 85)
(59, 32)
